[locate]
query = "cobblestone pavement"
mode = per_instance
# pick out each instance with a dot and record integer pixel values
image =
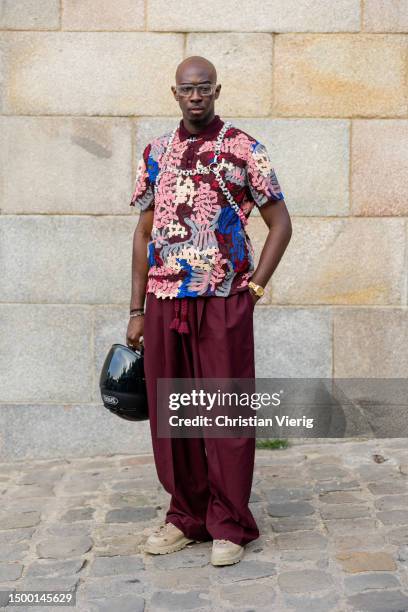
(333, 519)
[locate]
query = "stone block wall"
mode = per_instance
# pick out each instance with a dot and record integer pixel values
(86, 83)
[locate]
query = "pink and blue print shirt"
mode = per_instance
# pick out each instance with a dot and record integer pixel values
(198, 246)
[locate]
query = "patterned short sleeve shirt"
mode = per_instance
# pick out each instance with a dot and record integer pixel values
(198, 246)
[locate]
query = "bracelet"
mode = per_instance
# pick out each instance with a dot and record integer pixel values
(136, 314)
(136, 309)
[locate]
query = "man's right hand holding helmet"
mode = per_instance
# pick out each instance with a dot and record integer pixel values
(134, 334)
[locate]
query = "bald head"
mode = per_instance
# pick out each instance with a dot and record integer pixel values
(195, 67)
(196, 90)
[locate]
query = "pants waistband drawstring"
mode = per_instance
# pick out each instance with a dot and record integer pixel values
(180, 325)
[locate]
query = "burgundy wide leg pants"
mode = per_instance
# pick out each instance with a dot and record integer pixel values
(209, 479)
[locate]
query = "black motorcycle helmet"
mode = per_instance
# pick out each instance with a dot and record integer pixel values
(122, 383)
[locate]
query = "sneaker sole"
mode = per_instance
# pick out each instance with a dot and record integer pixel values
(230, 561)
(161, 550)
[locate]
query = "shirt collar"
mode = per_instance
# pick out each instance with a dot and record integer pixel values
(208, 132)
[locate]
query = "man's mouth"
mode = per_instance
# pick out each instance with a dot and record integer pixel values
(196, 109)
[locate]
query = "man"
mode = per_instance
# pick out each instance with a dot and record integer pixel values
(194, 263)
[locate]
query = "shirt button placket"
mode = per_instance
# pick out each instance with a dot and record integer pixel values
(190, 154)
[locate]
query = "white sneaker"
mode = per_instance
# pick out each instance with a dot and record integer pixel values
(164, 539)
(225, 552)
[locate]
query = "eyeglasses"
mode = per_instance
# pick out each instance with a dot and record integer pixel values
(205, 89)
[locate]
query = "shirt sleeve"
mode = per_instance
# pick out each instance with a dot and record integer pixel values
(262, 181)
(143, 193)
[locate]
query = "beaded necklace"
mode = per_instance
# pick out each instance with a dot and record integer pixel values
(214, 167)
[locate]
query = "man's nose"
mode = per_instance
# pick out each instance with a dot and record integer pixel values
(195, 95)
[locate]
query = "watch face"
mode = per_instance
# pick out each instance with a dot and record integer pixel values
(257, 289)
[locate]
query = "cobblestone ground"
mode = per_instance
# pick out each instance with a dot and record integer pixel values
(333, 520)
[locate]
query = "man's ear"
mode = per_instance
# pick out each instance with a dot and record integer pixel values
(173, 89)
(217, 91)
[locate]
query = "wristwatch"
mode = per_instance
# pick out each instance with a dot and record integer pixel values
(258, 290)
